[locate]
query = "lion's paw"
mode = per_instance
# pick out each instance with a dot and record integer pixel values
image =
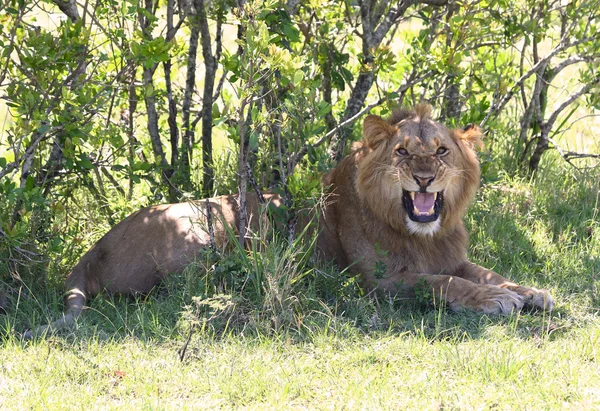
(535, 298)
(491, 299)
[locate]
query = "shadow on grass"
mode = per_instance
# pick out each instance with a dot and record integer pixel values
(169, 315)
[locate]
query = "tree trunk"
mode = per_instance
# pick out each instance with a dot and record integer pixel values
(172, 120)
(540, 148)
(354, 105)
(210, 63)
(165, 169)
(190, 86)
(243, 175)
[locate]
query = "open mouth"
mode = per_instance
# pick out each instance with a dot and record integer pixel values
(423, 207)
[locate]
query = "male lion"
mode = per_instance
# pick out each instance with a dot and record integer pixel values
(397, 204)
(393, 216)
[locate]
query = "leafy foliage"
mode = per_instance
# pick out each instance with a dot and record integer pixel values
(105, 104)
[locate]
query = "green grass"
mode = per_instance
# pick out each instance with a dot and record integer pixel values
(303, 338)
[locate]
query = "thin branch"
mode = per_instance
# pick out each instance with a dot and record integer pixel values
(28, 255)
(209, 222)
(571, 155)
(574, 60)
(389, 20)
(582, 90)
(562, 45)
(10, 46)
(113, 181)
(302, 152)
(9, 167)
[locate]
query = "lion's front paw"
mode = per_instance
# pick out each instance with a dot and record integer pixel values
(491, 299)
(541, 299)
(534, 297)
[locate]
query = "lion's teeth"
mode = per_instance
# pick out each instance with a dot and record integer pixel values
(431, 211)
(412, 195)
(434, 197)
(416, 210)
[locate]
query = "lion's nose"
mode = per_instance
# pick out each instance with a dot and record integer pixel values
(423, 181)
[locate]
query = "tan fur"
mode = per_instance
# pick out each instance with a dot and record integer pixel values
(365, 227)
(137, 253)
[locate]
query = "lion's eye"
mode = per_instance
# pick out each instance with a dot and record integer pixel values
(402, 151)
(441, 151)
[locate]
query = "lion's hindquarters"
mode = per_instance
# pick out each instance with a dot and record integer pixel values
(133, 257)
(137, 253)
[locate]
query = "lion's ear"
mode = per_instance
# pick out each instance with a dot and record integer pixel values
(471, 135)
(376, 130)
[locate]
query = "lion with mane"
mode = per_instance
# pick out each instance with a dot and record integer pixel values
(399, 199)
(397, 202)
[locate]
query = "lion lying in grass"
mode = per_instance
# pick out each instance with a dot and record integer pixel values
(393, 216)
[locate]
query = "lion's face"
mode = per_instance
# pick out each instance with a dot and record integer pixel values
(421, 165)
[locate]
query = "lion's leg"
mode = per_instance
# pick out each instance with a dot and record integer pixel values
(75, 300)
(458, 293)
(479, 275)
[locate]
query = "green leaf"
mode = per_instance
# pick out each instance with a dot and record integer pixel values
(298, 77)
(253, 141)
(149, 90)
(291, 32)
(43, 128)
(324, 108)
(86, 163)
(231, 63)
(318, 130)
(2, 162)
(141, 165)
(216, 113)
(29, 183)
(337, 81)
(346, 74)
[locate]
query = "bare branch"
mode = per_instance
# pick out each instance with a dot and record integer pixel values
(28, 156)
(254, 184)
(574, 96)
(391, 18)
(571, 155)
(190, 86)
(210, 64)
(562, 45)
(434, 2)
(8, 168)
(574, 60)
(28, 255)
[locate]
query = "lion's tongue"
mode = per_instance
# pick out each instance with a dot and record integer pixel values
(424, 202)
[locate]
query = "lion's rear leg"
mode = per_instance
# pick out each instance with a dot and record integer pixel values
(75, 300)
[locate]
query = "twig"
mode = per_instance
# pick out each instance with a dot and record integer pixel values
(571, 155)
(187, 342)
(302, 152)
(209, 222)
(561, 46)
(252, 180)
(28, 255)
